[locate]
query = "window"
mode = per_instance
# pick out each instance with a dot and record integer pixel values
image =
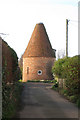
(39, 72)
(27, 70)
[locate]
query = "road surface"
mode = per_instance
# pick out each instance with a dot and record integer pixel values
(38, 100)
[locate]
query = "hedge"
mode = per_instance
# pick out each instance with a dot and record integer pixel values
(11, 87)
(10, 99)
(69, 69)
(9, 64)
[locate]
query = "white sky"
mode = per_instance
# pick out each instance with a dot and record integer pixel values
(19, 17)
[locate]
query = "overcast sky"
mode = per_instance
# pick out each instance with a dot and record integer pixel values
(19, 17)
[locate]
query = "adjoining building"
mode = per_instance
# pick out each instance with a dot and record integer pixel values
(39, 56)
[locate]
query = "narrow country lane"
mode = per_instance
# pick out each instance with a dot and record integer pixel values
(39, 101)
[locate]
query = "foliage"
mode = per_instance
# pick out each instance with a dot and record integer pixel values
(33, 81)
(10, 67)
(43, 81)
(48, 81)
(20, 80)
(61, 53)
(69, 69)
(57, 69)
(15, 68)
(20, 62)
(10, 98)
(17, 74)
(78, 101)
(11, 89)
(55, 86)
(55, 81)
(14, 59)
(4, 70)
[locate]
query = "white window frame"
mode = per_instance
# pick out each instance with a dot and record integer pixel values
(39, 73)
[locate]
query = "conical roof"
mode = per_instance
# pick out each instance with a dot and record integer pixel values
(39, 44)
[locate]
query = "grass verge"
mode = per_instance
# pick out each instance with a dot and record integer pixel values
(43, 81)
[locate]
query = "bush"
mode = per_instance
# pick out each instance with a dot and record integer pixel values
(10, 70)
(78, 102)
(44, 81)
(73, 98)
(11, 88)
(56, 85)
(48, 81)
(57, 69)
(33, 81)
(10, 98)
(55, 88)
(69, 69)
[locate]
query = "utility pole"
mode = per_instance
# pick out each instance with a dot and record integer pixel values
(67, 37)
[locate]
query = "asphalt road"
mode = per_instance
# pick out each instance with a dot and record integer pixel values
(38, 100)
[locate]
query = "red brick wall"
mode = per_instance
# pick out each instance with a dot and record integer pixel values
(37, 63)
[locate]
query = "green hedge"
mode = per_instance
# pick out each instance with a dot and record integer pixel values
(69, 69)
(10, 99)
(9, 64)
(11, 88)
(57, 69)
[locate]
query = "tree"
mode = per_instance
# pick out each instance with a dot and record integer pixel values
(21, 63)
(61, 54)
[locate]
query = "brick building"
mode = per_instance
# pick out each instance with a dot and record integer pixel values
(39, 56)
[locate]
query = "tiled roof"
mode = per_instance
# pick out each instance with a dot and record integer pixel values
(39, 44)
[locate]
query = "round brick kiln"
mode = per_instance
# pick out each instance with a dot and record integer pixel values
(39, 56)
